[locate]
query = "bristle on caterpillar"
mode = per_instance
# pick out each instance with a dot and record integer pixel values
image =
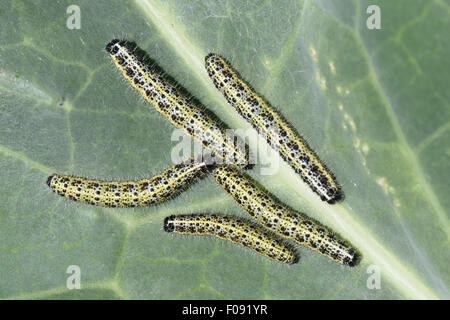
(173, 104)
(235, 230)
(140, 193)
(277, 131)
(280, 219)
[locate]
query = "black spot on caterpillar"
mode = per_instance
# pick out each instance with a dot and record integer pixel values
(235, 230)
(144, 192)
(173, 102)
(280, 219)
(277, 131)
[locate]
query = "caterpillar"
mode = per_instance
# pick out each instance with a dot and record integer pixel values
(280, 219)
(144, 192)
(277, 131)
(235, 230)
(173, 104)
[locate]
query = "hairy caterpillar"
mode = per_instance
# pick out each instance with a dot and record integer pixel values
(139, 193)
(235, 230)
(181, 111)
(281, 219)
(278, 132)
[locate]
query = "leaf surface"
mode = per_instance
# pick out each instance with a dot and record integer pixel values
(373, 104)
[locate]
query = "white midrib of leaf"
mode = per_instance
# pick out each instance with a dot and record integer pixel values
(337, 216)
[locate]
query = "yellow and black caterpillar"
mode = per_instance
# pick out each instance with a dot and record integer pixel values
(280, 219)
(180, 110)
(235, 230)
(140, 193)
(277, 131)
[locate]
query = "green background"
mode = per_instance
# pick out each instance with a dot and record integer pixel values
(372, 103)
